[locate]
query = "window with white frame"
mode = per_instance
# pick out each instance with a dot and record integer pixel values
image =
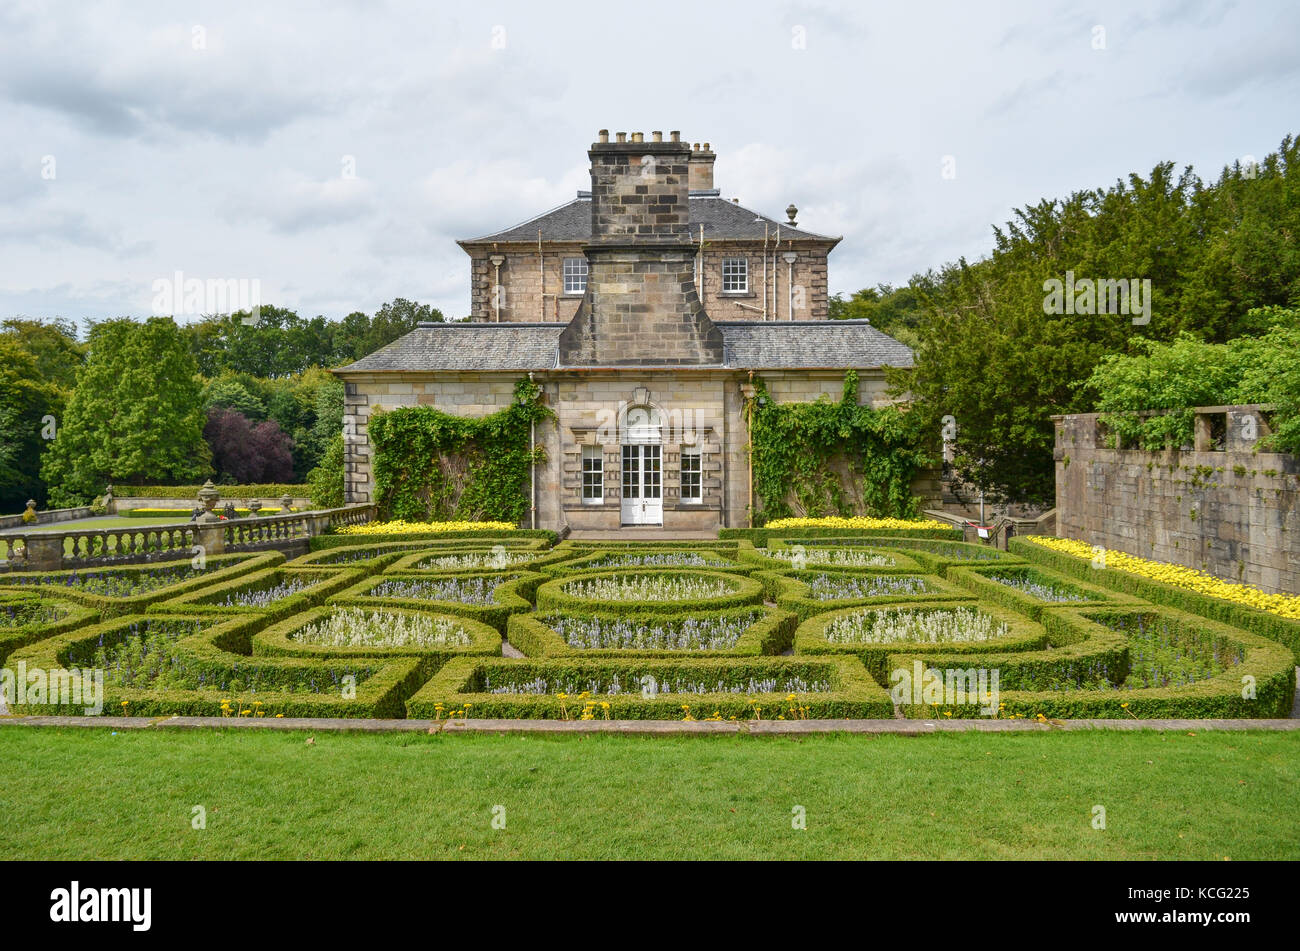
(692, 483)
(593, 474)
(575, 275)
(735, 275)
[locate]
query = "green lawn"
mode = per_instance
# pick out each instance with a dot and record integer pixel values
(79, 794)
(96, 523)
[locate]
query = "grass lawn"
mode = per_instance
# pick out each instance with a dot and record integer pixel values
(104, 522)
(83, 794)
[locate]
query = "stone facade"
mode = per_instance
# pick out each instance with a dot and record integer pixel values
(518, 274)
(1230, 511)
(702, 411)
(648, 391)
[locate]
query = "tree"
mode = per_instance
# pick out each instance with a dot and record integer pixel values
(246, 452)
(52, 345)
(135, 416)
(29, 412)
(326, 480)
(228, 392)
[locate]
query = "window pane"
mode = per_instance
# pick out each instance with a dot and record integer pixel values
(575, 275)
(735, 274)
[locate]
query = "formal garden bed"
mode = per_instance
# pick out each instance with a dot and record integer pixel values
(814, 625)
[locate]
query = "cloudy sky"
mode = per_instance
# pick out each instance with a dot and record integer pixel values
(334, 151)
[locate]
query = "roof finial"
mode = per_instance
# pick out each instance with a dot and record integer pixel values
(790, 212)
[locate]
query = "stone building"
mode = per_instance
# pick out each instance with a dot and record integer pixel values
(747, 266)
(649, 387)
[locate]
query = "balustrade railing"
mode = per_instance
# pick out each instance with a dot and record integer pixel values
(75, 548)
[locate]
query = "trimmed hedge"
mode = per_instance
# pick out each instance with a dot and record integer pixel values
(585, 546)
(459, 684)
(409, 564)
(791, 591)
(267, 490)
(760, 536)
(742, 591)
(277, 640)
(184, 514)
(20, 635)
(590, 561)
(512, 596)
(494, 537)
(979, 581)
(903, 564)
(771, 634)
(374, 556)
(1023, 635)
(322, 583)
(1280, 629)
(218, 568)
(1221, 696)
(216, 653)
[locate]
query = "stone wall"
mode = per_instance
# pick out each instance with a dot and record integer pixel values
(809, 279)
(701, 408)
(1232, 512)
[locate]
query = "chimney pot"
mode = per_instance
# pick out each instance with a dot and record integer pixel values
(675, 136)
(603, 135)
(658, 136)
(638, 137)
(622, 136)
(706, 147)
(696, 147)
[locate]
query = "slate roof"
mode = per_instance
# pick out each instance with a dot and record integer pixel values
(723, 220)
(747, 345)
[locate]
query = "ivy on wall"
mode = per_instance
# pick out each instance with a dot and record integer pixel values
(433, 466)
(795, 446)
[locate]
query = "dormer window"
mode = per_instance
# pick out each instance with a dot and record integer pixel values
(575, 275)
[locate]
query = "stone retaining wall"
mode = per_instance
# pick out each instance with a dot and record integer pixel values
(1232, 512)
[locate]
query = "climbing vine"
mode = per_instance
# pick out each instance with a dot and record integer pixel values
(433, 466)
(795, 446)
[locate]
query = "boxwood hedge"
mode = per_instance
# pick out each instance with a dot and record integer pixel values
(980, 580)
(320, 584)
(625, 559)
(772, 633)
(62, 584)
(210, 658)
(1022, 635)
(792, 590)
(766, 559)
(1283, 630)
(513, 594)
(493, 537)
(740, 591)
(26, 618)
(1269, 691)
(468, 683)
(278, 640)
(760, 536)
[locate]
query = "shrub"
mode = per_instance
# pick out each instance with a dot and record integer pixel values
(732, 632)
(807, 593)
(302, 636)
(612, 591)
(276, 593)
(507, 593)
(631, 689)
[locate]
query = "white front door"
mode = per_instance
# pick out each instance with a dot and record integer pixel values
(643, 502)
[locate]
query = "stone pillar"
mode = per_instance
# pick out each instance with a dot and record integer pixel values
(45, 551)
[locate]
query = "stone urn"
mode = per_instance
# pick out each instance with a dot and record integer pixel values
(29, 514)
(209, 496)
(254, 506)
(286, 505)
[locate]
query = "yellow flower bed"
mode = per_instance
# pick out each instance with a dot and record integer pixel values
(856, 523)
(400, 527)
(1180, 576)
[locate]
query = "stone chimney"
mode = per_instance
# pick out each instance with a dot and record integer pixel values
(701, 176)
(640, 307)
